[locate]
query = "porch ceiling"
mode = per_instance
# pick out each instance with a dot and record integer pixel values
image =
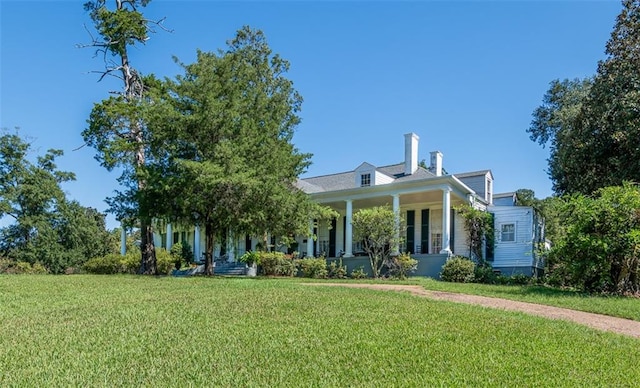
(405, 200)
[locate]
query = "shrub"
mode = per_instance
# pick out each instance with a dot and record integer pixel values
(181, 253)
(165, 263)
(401, 265)
(5, 264)
(313, 268)
(336, 270)
(458, 269)
(276, 264)
(128, 264)
(105, 265)
(359, 273)
(484, 274)
(38, 268)
(21, 267)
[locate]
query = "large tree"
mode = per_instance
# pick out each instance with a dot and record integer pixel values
(554, 124)
(594, 125)
(222, 144)
(117, 128)
(43, 225)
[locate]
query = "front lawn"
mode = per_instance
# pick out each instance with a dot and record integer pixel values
(617, 306)
(142, 331)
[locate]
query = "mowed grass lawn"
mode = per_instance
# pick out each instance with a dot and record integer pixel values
(143, 331)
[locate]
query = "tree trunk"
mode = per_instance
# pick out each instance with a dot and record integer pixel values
(210, 245)
(148, 263)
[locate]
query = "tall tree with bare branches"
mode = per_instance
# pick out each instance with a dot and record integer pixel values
(117, 127)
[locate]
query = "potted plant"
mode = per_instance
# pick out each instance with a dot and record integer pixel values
(251, 260)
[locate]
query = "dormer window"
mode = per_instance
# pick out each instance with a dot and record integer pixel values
(365, 180)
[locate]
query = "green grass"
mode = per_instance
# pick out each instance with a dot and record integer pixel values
(623, 307)
(139, 331)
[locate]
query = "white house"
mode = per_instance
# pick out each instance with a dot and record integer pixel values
(425, 197)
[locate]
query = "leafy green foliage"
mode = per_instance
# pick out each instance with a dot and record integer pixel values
(458, 269)
(402, 265)
(359, 273)
(312, 267)
(593, 124)
(378, 228)
(276, 264)
(484, 274)
(21, 267)
(250, 258)
(225, 128)
(128, 264)
(46, 228)
(600, 248)
(336, 270)
(479, 227)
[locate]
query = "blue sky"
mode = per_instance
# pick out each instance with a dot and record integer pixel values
(464, 76)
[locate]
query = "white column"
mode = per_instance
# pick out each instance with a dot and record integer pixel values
(169, 237)
(348, 233)
(231, 246)
(446, 221)
(196, 244)
(123, 240)
(310, 240)
(396, 212)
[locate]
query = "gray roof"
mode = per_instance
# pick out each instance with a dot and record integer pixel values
(347, 180)
(500, 195)
(473, 173)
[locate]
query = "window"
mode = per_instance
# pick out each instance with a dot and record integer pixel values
(436, 243)
(365, 180)
(508, 232)
(489, 199)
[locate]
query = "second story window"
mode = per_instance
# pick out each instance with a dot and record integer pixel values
(365, 180)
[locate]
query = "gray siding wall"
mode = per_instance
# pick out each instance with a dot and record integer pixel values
(518, 253)
(503, 201)
(476, 183)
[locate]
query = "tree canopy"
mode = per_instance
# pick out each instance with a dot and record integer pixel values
(222, 146)
(117, 127)
(593, 125)
(45, 227)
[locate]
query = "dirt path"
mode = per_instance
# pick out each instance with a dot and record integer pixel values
(597, 321)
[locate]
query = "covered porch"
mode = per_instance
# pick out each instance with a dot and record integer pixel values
(431, 225)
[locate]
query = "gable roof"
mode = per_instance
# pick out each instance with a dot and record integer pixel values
(474, 173)
(346, 180)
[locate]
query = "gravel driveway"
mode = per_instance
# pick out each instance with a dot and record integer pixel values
(596, 321)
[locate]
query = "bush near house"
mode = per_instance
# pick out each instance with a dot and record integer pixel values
(129, 263)
(458, 269)
(276, 264)
(312, 267)
(401, 266)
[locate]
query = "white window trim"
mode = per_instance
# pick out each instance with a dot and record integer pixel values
(515, 229)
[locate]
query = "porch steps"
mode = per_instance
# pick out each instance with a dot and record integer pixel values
(222, 269)
(230, 269)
